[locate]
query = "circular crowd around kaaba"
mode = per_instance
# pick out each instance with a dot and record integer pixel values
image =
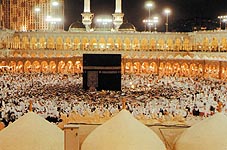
(151, 96)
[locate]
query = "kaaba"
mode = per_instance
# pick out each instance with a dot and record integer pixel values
(102, 72)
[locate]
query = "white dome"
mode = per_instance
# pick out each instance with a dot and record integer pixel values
(209, 134)
(123, 132)
(31, 132)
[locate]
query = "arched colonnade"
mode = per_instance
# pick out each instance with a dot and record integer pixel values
(118, 41)
(173, 67)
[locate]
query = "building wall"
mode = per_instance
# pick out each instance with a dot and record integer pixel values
(214, 41)
(148, 53)
(172, 67)
(20, 15)
(6, 13)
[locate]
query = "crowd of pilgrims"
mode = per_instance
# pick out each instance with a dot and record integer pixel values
(150, 95)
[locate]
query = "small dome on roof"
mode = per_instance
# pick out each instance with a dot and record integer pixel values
(208, 134)
(77, 26)
(31, 132)
(127, 27)
(123, 132)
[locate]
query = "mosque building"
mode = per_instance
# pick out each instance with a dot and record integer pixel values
(201, 53)
(49, 49)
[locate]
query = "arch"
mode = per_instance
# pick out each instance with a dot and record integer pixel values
(33, 43)
(214, 44)
(50, 43)
(44, 67)
(12, 65)
(198, 46)
(145, 67)
(102, 43)
(93, 45)
(24, 55)
(160, 44)
(78, 67)
(76, 43)
(186, 45)
(223, 73)
(169, 45)
(3, 63)
(41, 55)
(59, 54)
(176, 69)
(15, 54)
(161, 69)
(152, 45)
(118, 44)
(69, 67)
(200, 70)
(33, 55)
(59, 43)
(153, 68)
(27, 67)
(67, 44)
(144, 44)
(205, 44)
(50, 54)
(177, 44)
(223, 46)
(215, 71)
(25, 43)
(127, 44)
(128, 67)
(135, 44)
(53, 67)
(136, 67)
(61, 67)
(193, 70)
(42, 43)
(207, 71)
(3, 70)
(84, 44)
(36, 67)
(184, 70)
(67, 55)
(16, 42)
(168, 69)
(110, 44)
(19, 67)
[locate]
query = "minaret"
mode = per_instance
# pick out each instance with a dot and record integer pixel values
(87, 16)
(118, 15)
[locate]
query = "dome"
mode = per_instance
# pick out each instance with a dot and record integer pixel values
(31, 132)
(123, 132)
(209, 134)
(76, 27)
(127, 27)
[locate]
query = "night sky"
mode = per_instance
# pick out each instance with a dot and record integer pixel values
(135, 10)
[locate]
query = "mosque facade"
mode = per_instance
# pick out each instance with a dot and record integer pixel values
(200, 54)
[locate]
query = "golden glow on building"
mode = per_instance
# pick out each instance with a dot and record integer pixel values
(26, 15)
(193, 54)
